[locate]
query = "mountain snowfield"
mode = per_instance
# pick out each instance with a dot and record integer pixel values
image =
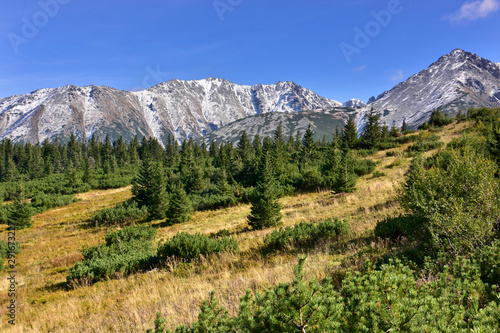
(191, 109)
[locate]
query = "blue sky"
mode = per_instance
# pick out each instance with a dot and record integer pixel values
(339, 49)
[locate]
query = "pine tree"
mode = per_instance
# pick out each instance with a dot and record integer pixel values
(244, 147)
(346, 178)
(266, 210)
(404, 127)
(179, 208)
(148, 188)
(19, 215)
(280, 154)
(350, 134)
(309, 148)
(372, 132)
(88, 175)
(394, 130)
(385, 131)
(133, 150)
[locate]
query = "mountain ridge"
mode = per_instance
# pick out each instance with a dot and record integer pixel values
(456, 81)
(194, 108)
(182, 108)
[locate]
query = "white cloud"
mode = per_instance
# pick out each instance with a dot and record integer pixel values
(360, 68)
(474, 10)
(398, 75)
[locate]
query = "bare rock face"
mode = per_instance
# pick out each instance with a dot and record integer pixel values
(182, 108)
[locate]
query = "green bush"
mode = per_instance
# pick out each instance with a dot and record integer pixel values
(384, 145)
(125, 252)
(377, 174)
(364, 167)
(118, 260)
(42, 202)
(489, 262)
(121, 213)
(364, 152)
(457, 198)
(305, 234)
(406, 139)
(190, 247)
(389, 299)
(425, 146)
(129, 234)
(439, 119)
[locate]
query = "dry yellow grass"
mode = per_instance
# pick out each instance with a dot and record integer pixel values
(130, 304)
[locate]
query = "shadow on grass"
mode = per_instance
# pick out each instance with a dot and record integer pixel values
(53, 287)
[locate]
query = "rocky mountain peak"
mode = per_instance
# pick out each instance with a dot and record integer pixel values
(457, 81)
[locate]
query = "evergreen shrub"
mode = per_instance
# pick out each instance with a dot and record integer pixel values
(125, 252)
(190, 247)
(305, 234)
(121, 213)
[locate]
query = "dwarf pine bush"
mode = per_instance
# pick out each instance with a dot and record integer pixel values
(391, 298)
(190, 247)
(122, 213)
(125, 252)
(305, 234)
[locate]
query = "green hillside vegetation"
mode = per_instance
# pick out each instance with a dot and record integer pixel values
(370, 232)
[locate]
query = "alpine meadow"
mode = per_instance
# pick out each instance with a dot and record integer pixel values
(372, 232)
(250, 166)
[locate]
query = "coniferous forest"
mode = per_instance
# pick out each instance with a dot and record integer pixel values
(431, 265)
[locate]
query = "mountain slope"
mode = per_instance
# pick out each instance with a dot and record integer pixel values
(183, 108)
(457, 81)
(323, 122)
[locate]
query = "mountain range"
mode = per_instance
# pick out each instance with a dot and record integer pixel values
(219, 109)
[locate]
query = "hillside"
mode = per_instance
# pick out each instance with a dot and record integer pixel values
(53, 245)
(324, 122)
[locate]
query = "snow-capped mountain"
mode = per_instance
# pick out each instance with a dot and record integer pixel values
(455, 82)
(354, 103)
(183, 108)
